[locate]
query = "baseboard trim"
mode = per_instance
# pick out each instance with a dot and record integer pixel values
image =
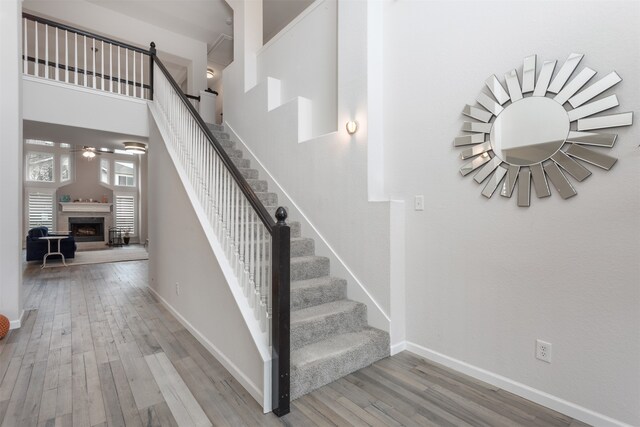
(15, 324)
(252, 388)
(545, 399)
(398, 347)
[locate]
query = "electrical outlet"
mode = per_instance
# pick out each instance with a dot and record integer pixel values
(419, 203)
(177, 288)
(543, 351)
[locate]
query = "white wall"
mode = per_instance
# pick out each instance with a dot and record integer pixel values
(485, 278)
(172, 46)
(326, 177)
(11, 161)
(68, 105)
(179, 252)
(312, 36)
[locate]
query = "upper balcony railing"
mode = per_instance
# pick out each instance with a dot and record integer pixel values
(62, 53)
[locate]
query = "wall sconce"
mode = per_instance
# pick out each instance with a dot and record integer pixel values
(210, 73)
(352, 127)
(135, 147)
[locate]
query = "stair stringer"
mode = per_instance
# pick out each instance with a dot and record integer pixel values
(357, 291)
(260, 338)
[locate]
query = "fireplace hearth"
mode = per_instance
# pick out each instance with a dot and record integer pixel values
(87, 229)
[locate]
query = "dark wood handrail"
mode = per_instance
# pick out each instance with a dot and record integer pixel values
(87, 73)
(82, 32)
(280, 263)
(242, 183)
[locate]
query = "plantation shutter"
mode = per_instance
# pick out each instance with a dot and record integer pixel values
(126, 213)
(40, 210)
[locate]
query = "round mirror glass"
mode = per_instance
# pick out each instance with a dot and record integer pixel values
(529, 131)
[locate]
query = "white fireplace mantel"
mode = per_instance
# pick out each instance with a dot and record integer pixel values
(85, 207)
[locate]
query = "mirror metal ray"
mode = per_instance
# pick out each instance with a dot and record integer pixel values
(518, 131)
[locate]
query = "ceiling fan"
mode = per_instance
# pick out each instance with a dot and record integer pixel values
(90, 152)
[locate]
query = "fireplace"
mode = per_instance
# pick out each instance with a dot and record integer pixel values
(88, 229)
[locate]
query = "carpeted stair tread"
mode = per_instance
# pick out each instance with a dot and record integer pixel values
(302, 246)
(319, 322)
(249, 173)
(320, 290)
(226, 143)
(215, 128)
(320, 363)
(241, 163)
(268, 199)
(308, 267)
(233, 152)
(295, 228)
(258, 185)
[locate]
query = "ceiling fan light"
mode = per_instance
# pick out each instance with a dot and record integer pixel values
(88, 154)
(135, 147)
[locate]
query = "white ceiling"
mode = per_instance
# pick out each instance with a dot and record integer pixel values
(203, 20)
(208, 21)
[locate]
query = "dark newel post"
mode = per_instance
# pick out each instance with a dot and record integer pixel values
(152, 53)
(281, 352)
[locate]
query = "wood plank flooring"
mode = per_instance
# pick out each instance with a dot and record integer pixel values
(97, 349)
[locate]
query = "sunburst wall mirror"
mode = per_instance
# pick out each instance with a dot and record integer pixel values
(527, 132)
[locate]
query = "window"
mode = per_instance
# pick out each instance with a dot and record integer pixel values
(40, 210)
(65, 145)
(124, 174)
(40, 167)
(126, 213)
(65, 168)
(40, 142)
(104, 171)
(119, 151)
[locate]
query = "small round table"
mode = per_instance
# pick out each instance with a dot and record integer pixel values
(49, 239)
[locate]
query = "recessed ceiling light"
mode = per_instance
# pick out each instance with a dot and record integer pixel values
(135, 147)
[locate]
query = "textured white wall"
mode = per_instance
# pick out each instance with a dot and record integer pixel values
(47, 101)
(10, 161)
(484, 277)
(312, 36)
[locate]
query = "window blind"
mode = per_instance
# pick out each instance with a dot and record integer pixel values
(40, 210)
(126, 213)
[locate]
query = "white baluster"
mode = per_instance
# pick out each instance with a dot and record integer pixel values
(126, 69)
(134, 73)
(119, 74)
(142, 75)
(85, 60)
(110, 68)
(93, 54)
(36, 64)
(75, 62)
(57, 73)
(46, 51)
(102, 64)
(66, 56)
(25, 51)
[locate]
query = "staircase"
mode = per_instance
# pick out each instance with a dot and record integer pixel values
(330, 337)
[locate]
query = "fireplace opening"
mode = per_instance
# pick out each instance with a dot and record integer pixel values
(87, 229)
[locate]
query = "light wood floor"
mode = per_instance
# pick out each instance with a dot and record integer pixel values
(96, 348)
